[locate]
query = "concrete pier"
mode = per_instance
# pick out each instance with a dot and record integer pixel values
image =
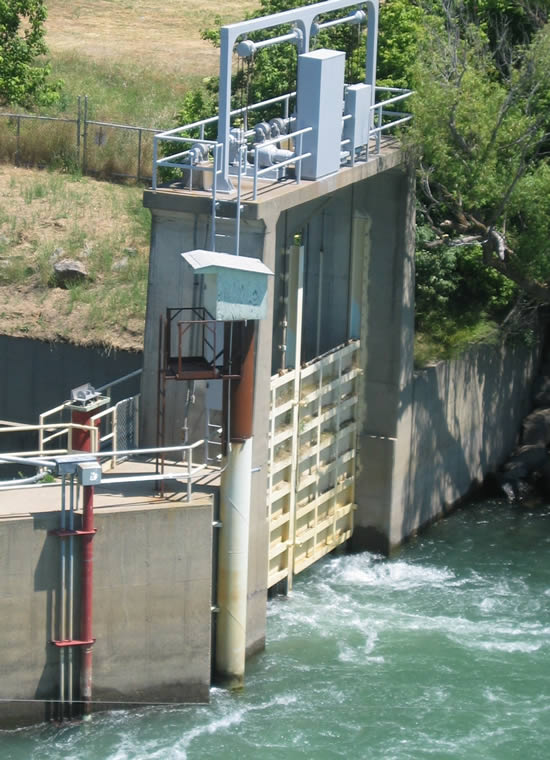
(359, 222)
(152, 600)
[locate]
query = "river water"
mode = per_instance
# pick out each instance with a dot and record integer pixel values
(441, 652)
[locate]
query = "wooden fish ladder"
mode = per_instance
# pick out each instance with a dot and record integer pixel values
(312, 446)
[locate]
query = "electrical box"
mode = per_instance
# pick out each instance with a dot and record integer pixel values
(67, 464)
(319, 104)
(357, 104)
(235, 287)
(89, 473)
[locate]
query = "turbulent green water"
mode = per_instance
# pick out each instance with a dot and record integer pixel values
(441, 652)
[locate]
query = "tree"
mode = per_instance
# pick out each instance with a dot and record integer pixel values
(481, 134)
(23, 77)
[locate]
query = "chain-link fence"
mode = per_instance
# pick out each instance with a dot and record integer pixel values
(81, 144)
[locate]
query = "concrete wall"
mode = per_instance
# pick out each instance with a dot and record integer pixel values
(152, 599)
(321, 212)
(36, 376)
(466, 416)
(459, 421)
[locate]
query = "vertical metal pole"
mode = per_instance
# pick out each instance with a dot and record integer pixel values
(295, 411)
(298, 169)
(78, 120)
(255, 190)
(227, 41)
(114, 431)
(238, 215)
(70, 610)
(62, 606)
(214, 184)
(372, 48)
(139, 156)
(85, 137)
(189, 471)
(87, 603)
(155, 158)
(17, 134)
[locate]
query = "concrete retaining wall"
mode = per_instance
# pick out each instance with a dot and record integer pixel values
(457, 421)
(152, 616)
(465, 420)
(36, 376)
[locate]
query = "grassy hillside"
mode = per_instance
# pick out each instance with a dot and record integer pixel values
(48, 216)
(134, 59)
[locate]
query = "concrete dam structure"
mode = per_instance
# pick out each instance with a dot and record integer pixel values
(278, 401)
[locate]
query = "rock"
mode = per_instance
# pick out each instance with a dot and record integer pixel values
(120, 264)
(524, 460)
(536, 428)
(69, 272)
(541, 391)
(544, 482)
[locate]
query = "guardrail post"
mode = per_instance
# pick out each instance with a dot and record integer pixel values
(155, 159)
(189, 472)
(114, 430)
(298, 169)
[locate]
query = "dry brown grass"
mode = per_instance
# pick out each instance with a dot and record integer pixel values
(163, 34)
(45, 216)
(118, 42)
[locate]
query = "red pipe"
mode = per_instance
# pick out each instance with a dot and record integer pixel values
(82, 439)
(87, 592)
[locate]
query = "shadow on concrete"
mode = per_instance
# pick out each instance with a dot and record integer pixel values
(465, 418)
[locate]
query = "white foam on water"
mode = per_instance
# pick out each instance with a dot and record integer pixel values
(501, 646)
(231, 719)
(368, 570)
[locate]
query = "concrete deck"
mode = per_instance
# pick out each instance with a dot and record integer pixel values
(16, 502)
(277, 195)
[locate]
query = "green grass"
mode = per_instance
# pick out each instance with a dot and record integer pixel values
(47, 216)
(119, 92)
(449, 341)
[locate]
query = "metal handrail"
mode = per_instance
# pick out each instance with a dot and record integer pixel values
(191, 471)
(119, 380)
(378, 110)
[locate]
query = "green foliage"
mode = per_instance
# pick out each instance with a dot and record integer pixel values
(454, 287)
(273, 70)
(481, 70)
(400, 32)
(23, 79)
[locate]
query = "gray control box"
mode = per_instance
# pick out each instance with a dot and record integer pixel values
(319, 104)
(89, 473)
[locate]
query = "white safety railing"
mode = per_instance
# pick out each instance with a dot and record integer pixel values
(107, 423)
(193, 135)
(55, 430)
(186, 470)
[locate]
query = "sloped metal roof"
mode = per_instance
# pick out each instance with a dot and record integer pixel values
(206, 262)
